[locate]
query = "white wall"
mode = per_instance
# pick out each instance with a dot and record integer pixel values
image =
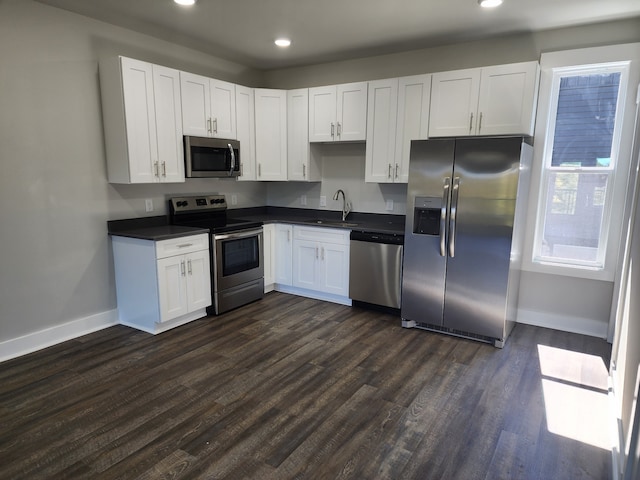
(55, 258)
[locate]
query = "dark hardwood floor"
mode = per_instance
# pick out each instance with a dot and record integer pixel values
(293, 388)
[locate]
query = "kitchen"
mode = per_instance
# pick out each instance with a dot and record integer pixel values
(57, 267)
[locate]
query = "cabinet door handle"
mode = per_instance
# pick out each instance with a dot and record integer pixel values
(316, 252)
(332, 129)
(209, 125)
(471, 122)
(164, 169)
(215, 125)
(304, 170)
(396, 170)
(189, 267)
(339, 129)
(182, 268)
(480, 123)
(155, 169)
(389, 174)
(288, 235)
(259, 170)
(322, 253)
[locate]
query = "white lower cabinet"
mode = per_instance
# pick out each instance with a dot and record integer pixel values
(161, 284)
(283, 249)
(268, 245)
(321, 262)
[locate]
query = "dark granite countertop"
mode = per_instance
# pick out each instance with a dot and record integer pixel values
(365, 222)
(151, 228)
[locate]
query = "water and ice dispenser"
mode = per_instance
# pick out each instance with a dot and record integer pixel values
(426, 215)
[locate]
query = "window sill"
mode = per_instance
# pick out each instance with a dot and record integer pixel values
(576, 271)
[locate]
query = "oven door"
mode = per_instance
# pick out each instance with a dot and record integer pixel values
(237, 258)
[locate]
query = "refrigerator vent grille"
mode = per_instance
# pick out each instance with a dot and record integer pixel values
(457, 333)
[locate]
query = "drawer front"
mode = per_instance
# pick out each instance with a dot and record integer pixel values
(322, 234)
(178, 246)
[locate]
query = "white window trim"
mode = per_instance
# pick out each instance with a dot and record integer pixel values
(553, 62)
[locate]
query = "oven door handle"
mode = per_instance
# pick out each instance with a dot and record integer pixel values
(242, 234)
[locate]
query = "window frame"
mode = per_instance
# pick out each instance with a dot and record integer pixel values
(625, 54)
(558, 73)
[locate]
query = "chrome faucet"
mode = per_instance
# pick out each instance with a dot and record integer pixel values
(346, 206)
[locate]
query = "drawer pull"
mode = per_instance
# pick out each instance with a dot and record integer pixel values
(185, 245)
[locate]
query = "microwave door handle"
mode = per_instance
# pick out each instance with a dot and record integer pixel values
(233, 159)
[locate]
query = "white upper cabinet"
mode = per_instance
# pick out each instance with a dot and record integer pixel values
(508, 95)
(414, 95)
(301, 164)
(208, 106)
(498, 100)
(271, 134)
(338, 113)
(398, 112)
(381, 131)
(141, 112)
(246, 132)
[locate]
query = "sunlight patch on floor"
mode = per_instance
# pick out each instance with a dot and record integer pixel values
(575, 395)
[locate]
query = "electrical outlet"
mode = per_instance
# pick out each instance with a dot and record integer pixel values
(389, 205)
(303, 200)
(323, 201)
(234, 199)
(148, 205)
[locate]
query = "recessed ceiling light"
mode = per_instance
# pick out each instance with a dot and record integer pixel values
(489, 3)
(283, 42)
(185, 2)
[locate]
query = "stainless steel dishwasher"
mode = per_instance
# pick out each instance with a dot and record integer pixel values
(375, 268)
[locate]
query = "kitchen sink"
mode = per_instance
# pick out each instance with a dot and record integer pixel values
(333, 223)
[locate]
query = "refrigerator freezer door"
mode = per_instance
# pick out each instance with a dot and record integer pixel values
(485, 179)
(423, 276)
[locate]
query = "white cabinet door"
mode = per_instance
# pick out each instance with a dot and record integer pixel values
(172, 287)
(223, 109)
(306, 254)
(414, 95)
(298, 154)
(507, 99)
(268, 242)
(454, 101)
(322, 114)
(246, 132)
(166, 88)
(196, 104)
(140, 120)
(351, 112)
(271, 133)
(283, 254)
(333, 274)
(198, 280)
(381, 131)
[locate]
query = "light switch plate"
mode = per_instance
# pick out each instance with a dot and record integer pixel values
(148, 205)
(303, 200)
(234, 199)
(323, 201)
(389, 205)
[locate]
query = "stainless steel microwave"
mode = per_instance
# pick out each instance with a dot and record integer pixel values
(211, 157)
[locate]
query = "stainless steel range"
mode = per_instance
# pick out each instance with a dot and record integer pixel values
(236, 246)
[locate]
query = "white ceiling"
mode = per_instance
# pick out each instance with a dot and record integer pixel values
(330, 30)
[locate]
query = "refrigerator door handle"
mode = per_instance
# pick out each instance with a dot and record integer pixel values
(454, 213)
(444, 211)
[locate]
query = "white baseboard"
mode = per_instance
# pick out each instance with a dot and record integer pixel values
(583, 326)
(32, 342)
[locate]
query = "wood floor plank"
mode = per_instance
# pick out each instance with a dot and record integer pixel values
(295, 388)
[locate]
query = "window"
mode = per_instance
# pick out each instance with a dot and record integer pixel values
(580, 160)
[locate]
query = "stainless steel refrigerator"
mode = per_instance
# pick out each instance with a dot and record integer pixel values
(466, 203)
